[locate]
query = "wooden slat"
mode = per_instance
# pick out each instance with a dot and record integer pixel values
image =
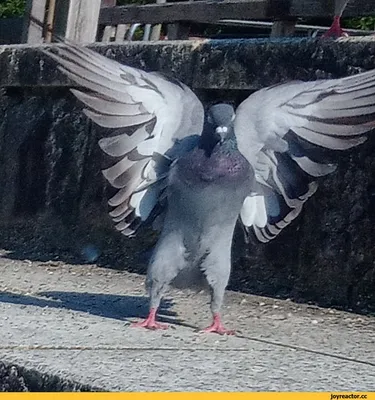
(34, 20)
(199, 11)
(326, 8)
(156, 29)
(121, 32)
(50, 19)
(147, 32)
(298, 27)
(210, 11)
(83, 20)
(108, 33)
(108, 3)
(155, 32)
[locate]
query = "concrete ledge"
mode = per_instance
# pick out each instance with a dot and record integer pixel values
(14, 378)
(208, 64)
(72, 321)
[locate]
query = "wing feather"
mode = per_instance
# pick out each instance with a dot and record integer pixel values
(329, 114)
(147, 115)
(122, 144)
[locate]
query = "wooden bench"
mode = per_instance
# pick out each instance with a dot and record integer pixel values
(87, 21)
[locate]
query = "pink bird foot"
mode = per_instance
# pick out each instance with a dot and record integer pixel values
(150, 323)
(218, 327)
(335, 30)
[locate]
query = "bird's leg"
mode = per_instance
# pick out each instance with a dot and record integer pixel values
(216, 268)
(335, 30)
(150, 322)
(167, 260)
(217, 296)
(157, 289)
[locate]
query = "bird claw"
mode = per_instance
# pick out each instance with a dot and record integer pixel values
(335, 30)
(335, 33)
(148, 324)
(218, 327)
(220, 330)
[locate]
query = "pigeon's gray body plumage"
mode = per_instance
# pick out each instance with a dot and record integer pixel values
(197, 235)
(199, 172)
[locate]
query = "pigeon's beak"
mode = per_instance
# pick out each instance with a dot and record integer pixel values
(222, 131)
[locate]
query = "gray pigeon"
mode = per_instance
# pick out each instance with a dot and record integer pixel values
(199, 172)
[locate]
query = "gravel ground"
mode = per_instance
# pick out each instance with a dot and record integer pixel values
(72, 321)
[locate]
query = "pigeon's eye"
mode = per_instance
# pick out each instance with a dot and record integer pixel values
(233, 117)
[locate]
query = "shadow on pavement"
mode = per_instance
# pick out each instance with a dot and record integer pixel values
(103, 305)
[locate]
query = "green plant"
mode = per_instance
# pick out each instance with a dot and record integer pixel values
(12, 8)
(365, 23)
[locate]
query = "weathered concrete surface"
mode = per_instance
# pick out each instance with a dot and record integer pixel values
(14, 378)
(72, 321)
(208, 64)
(53, 197)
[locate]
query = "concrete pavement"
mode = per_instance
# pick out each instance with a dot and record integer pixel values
(73, 321)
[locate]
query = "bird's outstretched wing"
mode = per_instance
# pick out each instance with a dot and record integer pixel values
(281, 129)
(151, 121)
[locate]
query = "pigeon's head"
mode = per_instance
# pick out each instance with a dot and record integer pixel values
(220, 117)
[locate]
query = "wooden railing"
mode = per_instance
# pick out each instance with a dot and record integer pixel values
(74, 19)
(79, 19)
(208, 11)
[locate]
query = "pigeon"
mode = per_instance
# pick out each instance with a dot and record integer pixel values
(194, 172)
(335, 31)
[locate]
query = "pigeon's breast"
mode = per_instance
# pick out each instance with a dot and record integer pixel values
(205, 196)
(220, 168)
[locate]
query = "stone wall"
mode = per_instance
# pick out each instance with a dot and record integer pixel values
(53, 196)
